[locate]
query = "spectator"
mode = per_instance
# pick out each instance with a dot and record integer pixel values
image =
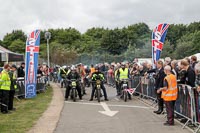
(20, 71)
(167, 61)
(193, 61)
(160, 75)
(173, 65)
(197, 71)
(39, 71)
(190, 74)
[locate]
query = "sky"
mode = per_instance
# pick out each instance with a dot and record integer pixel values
(29, 15)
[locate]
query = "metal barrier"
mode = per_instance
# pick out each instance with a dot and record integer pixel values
(109, 78)
(197, 108)
(187, 105)
(20, 91)
(144, 87)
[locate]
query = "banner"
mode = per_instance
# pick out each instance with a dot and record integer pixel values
(158, 38)
(31, 64)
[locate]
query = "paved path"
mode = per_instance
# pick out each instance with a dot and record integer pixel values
(47, 123)
(132, 117)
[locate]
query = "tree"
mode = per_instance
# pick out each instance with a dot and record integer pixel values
(167, 50)
(193, 27)
(15, 35)
(175, 32)
(17, 46)
(188, 45)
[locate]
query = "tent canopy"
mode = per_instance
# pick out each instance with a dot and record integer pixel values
(9, 56)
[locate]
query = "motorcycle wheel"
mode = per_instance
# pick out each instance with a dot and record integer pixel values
(74, 95)
(98, 95)
(125, 96)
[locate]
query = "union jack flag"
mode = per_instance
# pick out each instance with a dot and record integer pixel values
(158, 38)
(32, 53)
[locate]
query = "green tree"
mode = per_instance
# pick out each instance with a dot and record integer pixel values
(15, 35)
(17, 46)
(167, 50)
(193, 27)
(175, 32)
(188, 45)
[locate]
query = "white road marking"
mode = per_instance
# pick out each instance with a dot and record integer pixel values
(107, 111)
(111, 105)
(117, 99)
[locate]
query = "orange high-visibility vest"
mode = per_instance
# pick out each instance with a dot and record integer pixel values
(172, 92)
(92, 69)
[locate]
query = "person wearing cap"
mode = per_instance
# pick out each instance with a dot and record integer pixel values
(5, 88)
(13, 86)
(169, 94)
(20, 71)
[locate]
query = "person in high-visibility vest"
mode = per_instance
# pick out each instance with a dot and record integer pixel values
(98, 75)
(5, 88)
(169, 94)
(92, 70)
(63, 74)
(13, 86)
(123, 73)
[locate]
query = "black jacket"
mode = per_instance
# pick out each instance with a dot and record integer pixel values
(20, 72)
(160, 75)
(74, 75)
(190, 77)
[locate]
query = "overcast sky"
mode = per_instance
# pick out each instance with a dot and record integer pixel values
(83, 14)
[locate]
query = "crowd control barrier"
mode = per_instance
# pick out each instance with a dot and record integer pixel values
(144, 87)
(20, 91)
(187, 105)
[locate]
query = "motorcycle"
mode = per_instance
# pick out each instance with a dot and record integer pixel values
(126, 91)
(98, 90)
(74, 92)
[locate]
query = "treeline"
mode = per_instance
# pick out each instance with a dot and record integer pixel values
(103, 44)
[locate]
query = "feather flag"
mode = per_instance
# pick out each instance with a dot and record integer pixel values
(32, 53)
(158, 38)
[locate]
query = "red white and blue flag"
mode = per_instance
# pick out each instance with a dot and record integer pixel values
(31, 64)
(158, 38)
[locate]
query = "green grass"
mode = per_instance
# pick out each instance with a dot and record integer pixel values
(27, 113)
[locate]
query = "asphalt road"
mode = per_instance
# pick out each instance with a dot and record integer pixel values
(132, 116)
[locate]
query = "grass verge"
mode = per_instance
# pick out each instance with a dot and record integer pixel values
(27, 113)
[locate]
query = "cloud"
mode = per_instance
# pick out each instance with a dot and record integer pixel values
(84, 14)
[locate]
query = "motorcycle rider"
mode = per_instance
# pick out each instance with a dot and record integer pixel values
(73, 74)
(95, 75)
(123, 73)
(82, 73)
(63, 74)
